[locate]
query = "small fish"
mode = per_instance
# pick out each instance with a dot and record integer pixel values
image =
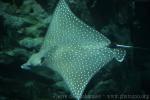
(74, 49)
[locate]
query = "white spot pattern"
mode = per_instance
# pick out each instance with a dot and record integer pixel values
(80, 51)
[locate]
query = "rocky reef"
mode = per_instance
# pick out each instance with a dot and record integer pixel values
(23, 25)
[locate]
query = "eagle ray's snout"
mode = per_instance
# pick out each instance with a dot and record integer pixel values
(26, 66)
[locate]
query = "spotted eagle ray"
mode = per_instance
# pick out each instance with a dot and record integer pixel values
(74, 49)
